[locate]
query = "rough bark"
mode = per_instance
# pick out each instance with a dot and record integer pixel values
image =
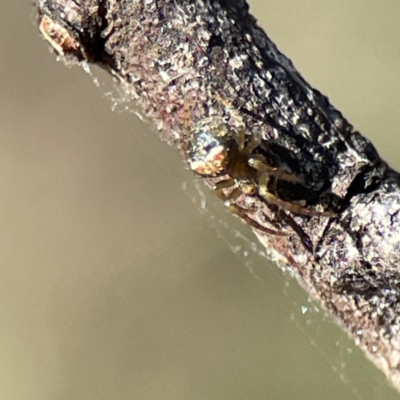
(212, 56)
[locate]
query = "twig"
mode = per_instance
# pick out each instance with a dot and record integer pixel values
(334, 202)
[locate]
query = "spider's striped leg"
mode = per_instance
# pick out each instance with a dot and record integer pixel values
(241, 212)
(258, 162)
(287, 205)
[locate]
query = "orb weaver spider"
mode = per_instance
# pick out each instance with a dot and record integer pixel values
(216, 151)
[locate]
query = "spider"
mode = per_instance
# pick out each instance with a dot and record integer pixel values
(223, 151)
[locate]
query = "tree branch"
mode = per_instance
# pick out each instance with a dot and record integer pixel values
(329, 211)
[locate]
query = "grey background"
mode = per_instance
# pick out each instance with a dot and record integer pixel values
(116, 282)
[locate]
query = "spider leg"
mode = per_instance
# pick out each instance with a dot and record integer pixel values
(232, 196)
(253, 143)
(225, 184)
(301, 234)
(241, 212)
(258, 162)
(255, 140)
(287, 205)
(241, 138)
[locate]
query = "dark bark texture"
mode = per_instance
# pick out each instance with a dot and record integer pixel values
(338, 219)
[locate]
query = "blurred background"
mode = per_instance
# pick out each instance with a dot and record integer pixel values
(119, 278)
